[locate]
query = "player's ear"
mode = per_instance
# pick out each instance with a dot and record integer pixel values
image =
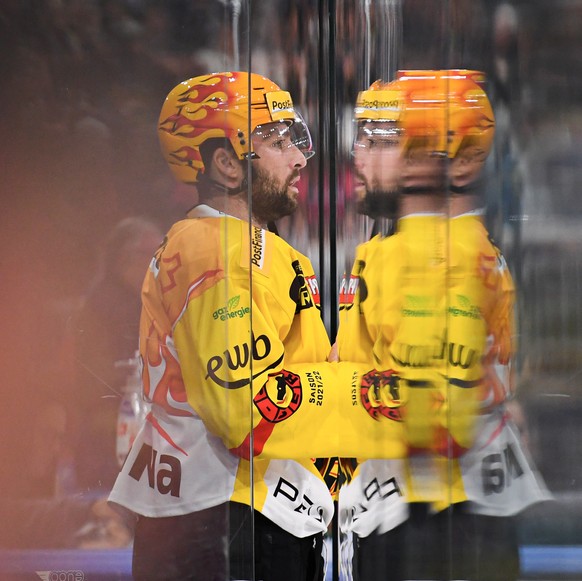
(227, 164)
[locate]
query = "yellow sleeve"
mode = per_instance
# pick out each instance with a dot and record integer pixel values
(353, 339)
(287, 410)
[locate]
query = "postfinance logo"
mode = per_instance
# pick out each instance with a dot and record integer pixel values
(231, 310)
(379, 105)
(280, 105)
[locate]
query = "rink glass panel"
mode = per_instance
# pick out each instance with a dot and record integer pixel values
(83, 87)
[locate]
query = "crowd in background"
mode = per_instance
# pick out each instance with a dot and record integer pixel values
(81, 85)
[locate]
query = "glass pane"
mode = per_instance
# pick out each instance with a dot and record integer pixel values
(293, 504)
(498, 473)
(543, 169)
(88, 200)
(238, 321)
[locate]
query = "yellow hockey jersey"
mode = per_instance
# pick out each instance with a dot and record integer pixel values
(425, 308)
(230, 320)
(234, 365)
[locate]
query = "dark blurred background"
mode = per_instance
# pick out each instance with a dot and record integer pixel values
(81, 86)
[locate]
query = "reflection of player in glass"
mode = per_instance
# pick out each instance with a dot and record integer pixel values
(234, 356)
(420, 126)
(189, 475)
(377, 165)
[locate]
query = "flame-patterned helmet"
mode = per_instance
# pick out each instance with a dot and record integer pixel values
(449, 106)
(228, 105)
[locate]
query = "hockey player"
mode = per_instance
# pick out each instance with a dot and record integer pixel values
(234, 356)
(190, 477)
(430, 124)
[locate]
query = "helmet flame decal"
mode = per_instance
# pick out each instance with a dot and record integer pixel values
(187, 155)
(197, 102)
(227, 105)
(447, 106)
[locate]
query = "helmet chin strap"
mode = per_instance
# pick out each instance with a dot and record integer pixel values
(461, 190)
(420, 190)
(470, 188)
(209, 183)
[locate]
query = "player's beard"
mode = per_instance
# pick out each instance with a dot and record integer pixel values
(379, 204)
(271, 199)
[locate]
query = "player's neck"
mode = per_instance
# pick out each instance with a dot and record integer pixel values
(462, 204)
(452, 205)
(234, 206)
(422, 203)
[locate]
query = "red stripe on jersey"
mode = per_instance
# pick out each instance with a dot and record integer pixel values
(152, 420)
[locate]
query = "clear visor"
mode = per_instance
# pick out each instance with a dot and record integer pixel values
(376, 136)
(287, 134)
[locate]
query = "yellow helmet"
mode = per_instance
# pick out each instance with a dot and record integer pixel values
(381, 102)
(378, 115)
(448, 106)
(228, 105)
